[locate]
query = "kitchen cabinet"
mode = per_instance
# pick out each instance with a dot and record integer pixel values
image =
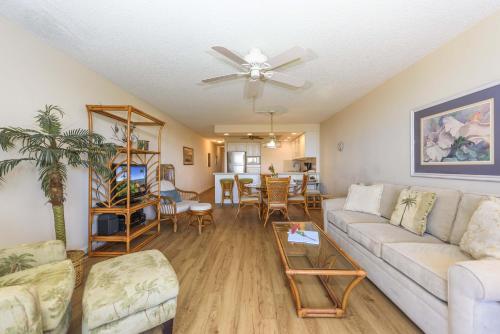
(306, 145)
(253, 149)
(236, 147)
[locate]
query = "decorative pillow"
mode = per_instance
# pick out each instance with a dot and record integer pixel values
(173, 194)
(167, 188)
(364, 198)
(412, 209)
(166, 185)
(482, 237)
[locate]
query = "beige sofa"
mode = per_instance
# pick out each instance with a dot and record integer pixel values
(440, 288)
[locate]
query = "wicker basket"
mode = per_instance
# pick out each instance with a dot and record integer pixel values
(78, 258)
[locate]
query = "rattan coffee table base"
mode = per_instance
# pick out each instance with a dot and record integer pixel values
(325, 263)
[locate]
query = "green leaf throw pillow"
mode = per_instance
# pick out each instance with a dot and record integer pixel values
(412, 209)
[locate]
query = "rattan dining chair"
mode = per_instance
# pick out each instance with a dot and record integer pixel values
(277, 197)
(246, 198)
(299, 197)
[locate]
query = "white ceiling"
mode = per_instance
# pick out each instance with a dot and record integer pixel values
(160, 50)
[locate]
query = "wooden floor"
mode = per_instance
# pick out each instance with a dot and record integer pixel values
(231, 281)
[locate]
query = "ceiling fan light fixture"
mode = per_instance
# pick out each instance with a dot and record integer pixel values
(255, 56)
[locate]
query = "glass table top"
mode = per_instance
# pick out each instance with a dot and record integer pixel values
(305, 246)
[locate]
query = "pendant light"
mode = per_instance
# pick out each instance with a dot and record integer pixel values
(272, 143)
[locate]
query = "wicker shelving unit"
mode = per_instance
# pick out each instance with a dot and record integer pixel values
(102, 196)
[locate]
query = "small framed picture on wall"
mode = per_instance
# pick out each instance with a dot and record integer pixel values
(209, 160)
(188, 155)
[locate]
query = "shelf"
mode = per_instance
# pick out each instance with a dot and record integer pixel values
(122, 236)
(136, 151)
(120, 248)
(133, 238)
(123, 209)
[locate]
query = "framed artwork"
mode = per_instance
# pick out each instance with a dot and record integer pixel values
(458, 138)
(188, 155)
(209, 160)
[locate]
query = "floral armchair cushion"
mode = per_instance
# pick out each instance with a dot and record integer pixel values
(19, 310)
(54, 283)
(27, 256)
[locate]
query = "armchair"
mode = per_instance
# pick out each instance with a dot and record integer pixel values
(175, 202)
(36, 285)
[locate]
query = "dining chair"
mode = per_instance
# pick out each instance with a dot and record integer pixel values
(277, 197)
(246, 198)
(226, 191)
(299, 197)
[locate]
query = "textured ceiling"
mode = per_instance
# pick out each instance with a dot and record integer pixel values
(160, 50)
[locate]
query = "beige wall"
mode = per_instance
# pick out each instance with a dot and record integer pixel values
(376, 128)
(34, 74)
(276, 157)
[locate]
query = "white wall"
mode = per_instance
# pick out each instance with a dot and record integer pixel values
(33, 74)
(376, 128)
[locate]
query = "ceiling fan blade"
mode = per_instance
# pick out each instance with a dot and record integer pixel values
(286, 57)
(285, 79)
(223, 77)
(252, 88)
(230, 54)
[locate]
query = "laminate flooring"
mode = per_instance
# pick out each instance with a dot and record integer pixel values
(232, 281)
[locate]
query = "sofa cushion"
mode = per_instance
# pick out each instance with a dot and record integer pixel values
(468, 204)
(54, 283)
(373, 235)
(426, 264)
(441, 218)
(389, 198)
(342, 218)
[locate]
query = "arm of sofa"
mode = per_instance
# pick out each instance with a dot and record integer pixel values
(331, 204)
(474, 296)
(19, 310)
(27, 256)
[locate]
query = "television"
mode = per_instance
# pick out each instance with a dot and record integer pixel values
(138, 181)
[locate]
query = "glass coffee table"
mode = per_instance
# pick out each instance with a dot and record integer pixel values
(315, 264)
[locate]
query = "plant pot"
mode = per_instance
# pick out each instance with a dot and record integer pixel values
(78, 258)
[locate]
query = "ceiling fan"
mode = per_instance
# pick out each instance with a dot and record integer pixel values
(252, 137)
(257, 67)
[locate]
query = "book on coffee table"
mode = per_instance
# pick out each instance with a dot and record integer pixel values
(305, 237)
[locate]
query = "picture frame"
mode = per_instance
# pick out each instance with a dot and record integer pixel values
(187, 155)
(458, 137)
(209, 160)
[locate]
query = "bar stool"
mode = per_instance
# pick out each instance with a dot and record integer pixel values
(244, 181)
(227, 190)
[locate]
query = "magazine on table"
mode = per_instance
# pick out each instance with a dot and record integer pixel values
(305, 237)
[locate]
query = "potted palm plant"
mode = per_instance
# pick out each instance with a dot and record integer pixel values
(52, 150)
